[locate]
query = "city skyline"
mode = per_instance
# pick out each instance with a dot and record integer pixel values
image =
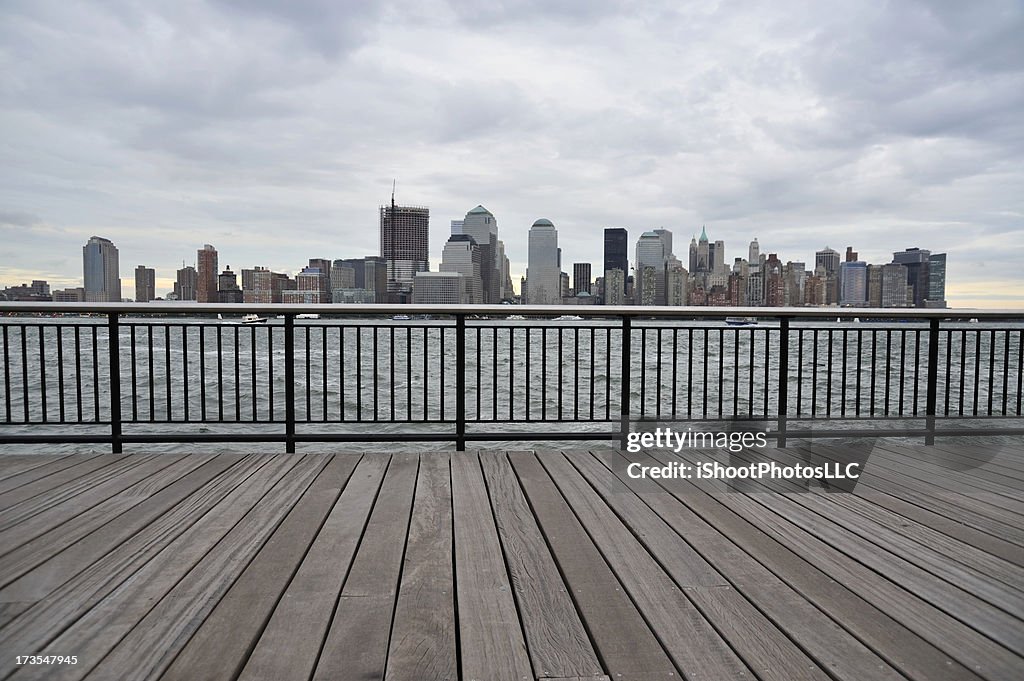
(274, 131)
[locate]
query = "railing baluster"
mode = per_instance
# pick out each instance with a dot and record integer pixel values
(933, 377)
(460, 382)
(289, 382)
(783, 379)
(624, 399)
(113, 344)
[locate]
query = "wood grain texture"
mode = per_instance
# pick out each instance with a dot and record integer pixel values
(50, 465)
(423, 634)
(623, 640)
(491, 635)
(291, 642)
(555, 637)
(357, 643)
(222, 643)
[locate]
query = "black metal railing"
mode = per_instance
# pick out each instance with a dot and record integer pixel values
(123, 373)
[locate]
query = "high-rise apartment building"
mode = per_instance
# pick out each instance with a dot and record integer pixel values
(227, 287)
(828, 260)
(145, 284)
(101, 270)
(543, 271)
(916, 262)
(895, 291)
(616, 257)
(404, 245)
(206, 270)
(185, 283)
(936, 281)
(581, 277)
(651, 260)
(853, 283)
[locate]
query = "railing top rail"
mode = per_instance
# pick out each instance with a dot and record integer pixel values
(538, 310)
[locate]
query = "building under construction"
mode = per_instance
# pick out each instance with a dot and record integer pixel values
(404, 245)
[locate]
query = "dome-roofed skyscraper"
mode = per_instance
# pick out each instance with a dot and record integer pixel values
(481, 225)
(101, 270)
(543, 271)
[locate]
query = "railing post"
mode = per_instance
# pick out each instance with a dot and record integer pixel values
(783, 378)
(933, 380)
(114, 345)
(460, 381)
(627, 329)
(289, 382)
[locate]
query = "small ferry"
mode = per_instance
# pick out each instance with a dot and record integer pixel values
(401, 318)
(741, 321)
(568, 318)
(253, 319)
(308, 315)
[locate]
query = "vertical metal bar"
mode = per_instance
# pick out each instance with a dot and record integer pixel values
(441, 366)
(323, 371)
(657, 374)
(511, 372)
(933, 378)
(184, 366)
(113, 345)
(903, 354)
(408, 372)
(750, 375)
(784, 379)
(593, 333)
(289, 382)
(643, 372)
(202, 373)
(689, 373)
(767, 367)
(391, 372)
(608, 374)
(828, 378)
(78, 374)
(60, 369)
(42, 372)
(1006, 366)
(963, 368)
(888, 366)
(860, 334)
(220, 374)
(425, 374)
(800, 369)
(814, 373)
(735, 372)
(624, 399)
(341, 374)
(270, 373)
(977, 368)
(167, 369)
(949, 366)
(7, 378)
(494, 373)
(460, 382)
(842, 383)
(479, 367)
(576, 373)
(238, 380)
(721, 368)
(544, 373)
(874, 348)
(134, 382)
(917, 365)
(149, 363)
(309, 378)
(95, 375)
(252, 371)
(991, 366)
(675, 369)
(1020, 370)
(704, 383)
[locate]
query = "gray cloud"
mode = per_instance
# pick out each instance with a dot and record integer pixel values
(274, 129)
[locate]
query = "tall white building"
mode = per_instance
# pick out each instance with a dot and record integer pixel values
(651, 259)
(543, 272)
(461, 254)
(439, 288)
(480, 224)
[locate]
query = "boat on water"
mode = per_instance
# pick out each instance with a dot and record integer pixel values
(253, 319)
(308, 315)
(515, 317)
(401, 317)
(568, 318)
(741, 321)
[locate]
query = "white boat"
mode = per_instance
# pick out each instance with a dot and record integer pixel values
(515, 317)
(568, 318)
(308, 315)
(741, 321)
(401, 317)
(253, 319)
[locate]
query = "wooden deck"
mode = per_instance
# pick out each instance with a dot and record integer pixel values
(515, 566)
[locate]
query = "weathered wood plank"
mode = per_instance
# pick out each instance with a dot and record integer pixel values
(490, 633)
(625, 643)
(53, 487)
(192, 527)
(16, 464)
(91, 511)
(557, 643)
(357, 642)
(825, 640)
(291, 642)
(222, 643)
(953, 637)
(723, 625)
(50, 466)
(241, 578)
(423, 635)
(70, 558)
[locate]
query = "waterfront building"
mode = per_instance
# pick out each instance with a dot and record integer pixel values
(651, 260)
(480, 224)
(342, 276)
(352, 295)
(70, 295)
(312, 284)
(185, 283)
(616, 257)
(268, 287)
(828, 260)
(853, 283)
(457, 226)
(101, 270)
(324, 265)
(581, 277)
(774, 284)
(564, 289)
(916, 262)
(227, 287)
(439, 288)
(936, 281)
(145, 284)
(504, 273)
(206, 269)
(375, 277)
(874, 285)
(543, 270)
(676, 283)
(462, 254)
(895, 290)
(404, 245)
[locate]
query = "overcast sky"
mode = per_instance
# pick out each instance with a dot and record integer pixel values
(273, 130)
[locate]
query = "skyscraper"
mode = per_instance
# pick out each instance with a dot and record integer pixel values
(481, 225)
(651, 260)
(916, 261)
(462, 254)
(101, 269)
(206, 271)
(616, 257)
(543, 273)
(581, 277)
(936, 280)
(145, 284)
(404, 245)
(227, 287)
(853, 283)
(828, 260)
(185, 283)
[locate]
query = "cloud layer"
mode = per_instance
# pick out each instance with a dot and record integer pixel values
(273, 130)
